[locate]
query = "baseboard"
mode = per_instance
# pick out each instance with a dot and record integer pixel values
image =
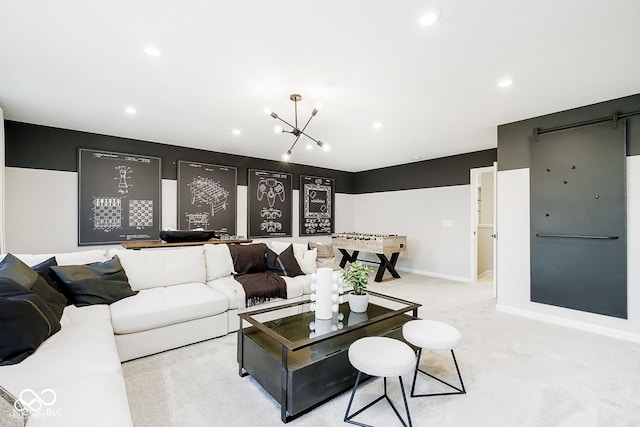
(485, 273)
(437, 275)
(588, 327)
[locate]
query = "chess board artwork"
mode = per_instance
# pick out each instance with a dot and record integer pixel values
(118, 197)
(207, 197)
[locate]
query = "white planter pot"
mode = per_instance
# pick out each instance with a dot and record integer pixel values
(358, 303)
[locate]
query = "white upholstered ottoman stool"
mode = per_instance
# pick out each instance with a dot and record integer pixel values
(380, 357)
(433, 335)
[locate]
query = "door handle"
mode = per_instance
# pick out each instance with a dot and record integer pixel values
(572, 236)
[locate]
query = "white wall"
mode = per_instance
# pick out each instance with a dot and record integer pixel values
(514, 294)
(436, 222)
(42, 213)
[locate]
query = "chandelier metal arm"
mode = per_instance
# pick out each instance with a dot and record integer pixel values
(295, 130)
(284, 121)
(294, 143)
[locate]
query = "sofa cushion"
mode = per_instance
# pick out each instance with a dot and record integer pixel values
(218, 261)
(148, 269)
(81, 364)
(95, 283)
(248, 259)
(326, 257)
(162, 306)
(69, 258)
(26, 322)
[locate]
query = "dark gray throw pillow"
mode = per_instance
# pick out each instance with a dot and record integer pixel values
(289, 263)
(54, 299)
(44, 270)
(95, 283)
(13, 268)
(273, 263)
(26, 322)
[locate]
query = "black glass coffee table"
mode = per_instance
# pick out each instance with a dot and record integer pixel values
(302, 361)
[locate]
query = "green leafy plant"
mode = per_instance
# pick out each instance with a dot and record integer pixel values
(356, 275)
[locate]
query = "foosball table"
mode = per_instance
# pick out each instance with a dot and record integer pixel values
(379, 244)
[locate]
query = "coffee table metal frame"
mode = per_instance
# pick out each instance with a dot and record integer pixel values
(291, 346)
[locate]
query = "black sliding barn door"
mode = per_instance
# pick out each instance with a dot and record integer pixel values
(578, 219)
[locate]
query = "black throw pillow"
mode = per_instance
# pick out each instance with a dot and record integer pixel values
(54, 299)
(13, 268)
(95, 283)
(273, 263)
(289, 263)
(44, 270)
(26, 322)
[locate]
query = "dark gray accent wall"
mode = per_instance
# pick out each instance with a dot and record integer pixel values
(43, 147)
(513, 138)
(442, 172)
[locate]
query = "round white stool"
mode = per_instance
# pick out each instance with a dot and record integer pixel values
(380, 357)
(433, 335)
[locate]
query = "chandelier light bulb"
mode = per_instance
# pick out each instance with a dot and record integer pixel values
(267, 111)
(293, 129)
(430, 17)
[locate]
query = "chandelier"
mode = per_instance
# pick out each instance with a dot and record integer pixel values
(296, 131)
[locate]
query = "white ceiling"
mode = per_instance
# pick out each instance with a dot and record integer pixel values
(76, 64)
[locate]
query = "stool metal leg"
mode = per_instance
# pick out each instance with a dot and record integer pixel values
(349, 418)
(459, 390)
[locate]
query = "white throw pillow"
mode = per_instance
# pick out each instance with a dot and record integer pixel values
(308, 260)
(218, 261)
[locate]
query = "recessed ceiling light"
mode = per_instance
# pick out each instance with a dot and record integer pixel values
(152, 51)
(236, 131)
(130, 110)
(430, 17)
(417, 157)
(377, 125)
(506, 82)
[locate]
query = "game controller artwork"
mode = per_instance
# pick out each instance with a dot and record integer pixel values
(270, 210)
(118, 197)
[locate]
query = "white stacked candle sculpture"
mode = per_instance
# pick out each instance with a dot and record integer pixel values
(325, 293)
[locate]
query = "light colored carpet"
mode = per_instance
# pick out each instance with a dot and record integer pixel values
(518, 372)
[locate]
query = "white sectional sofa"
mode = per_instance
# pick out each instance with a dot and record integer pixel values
(185, 295)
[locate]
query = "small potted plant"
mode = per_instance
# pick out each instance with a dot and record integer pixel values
(357, 276)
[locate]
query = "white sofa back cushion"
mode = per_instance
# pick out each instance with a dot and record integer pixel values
(218, 261)
(153, 268)
(69, 258)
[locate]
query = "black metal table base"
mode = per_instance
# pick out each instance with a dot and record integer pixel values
(385, 264)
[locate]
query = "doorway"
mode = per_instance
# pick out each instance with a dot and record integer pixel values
(483, 220)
